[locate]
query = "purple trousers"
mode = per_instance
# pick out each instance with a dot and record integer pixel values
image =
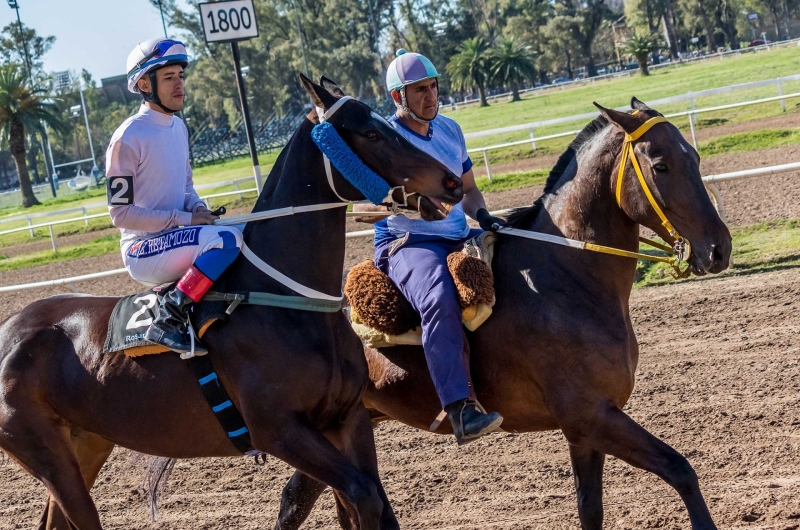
(418, 266)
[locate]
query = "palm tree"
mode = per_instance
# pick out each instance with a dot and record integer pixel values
(511, 64)
(22, 108)
(640, 45)
(469, 67)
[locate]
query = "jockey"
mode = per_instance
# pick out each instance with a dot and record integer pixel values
(151, 196)
(413, 252)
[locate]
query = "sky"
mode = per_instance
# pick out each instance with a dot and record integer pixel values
(96, 35)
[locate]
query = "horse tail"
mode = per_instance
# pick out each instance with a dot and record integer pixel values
(156, 475)
(155, 481)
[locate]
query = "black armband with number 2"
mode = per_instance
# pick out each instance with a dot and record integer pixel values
(119, 191)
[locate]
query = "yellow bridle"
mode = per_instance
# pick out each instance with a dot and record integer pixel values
(681, 246)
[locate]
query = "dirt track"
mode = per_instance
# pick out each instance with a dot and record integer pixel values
(719, 379)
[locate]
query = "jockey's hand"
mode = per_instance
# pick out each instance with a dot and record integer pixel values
(366, 209)
(203, 217)
(489, 222)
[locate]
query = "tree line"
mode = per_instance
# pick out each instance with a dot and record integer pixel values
(478, 46)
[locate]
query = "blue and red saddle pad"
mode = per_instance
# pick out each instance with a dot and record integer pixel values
(126, 328)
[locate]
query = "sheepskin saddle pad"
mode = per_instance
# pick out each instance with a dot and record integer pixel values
(381, 316)
(133, 315)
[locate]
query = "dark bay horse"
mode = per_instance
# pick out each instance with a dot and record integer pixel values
(559, 351)
(297, 377)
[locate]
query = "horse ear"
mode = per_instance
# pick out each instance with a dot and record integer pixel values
(319, 96)
(623, 120)
(638, 105)
(331, 87)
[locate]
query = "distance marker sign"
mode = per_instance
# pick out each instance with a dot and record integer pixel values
(233, 21)
(228, 21)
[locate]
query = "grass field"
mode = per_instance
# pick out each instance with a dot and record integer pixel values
(756, 248)
(670, 81)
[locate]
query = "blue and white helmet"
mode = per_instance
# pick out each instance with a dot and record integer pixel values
(151, 55)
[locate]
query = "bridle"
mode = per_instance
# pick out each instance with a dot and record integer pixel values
(681, 249)
(389, 201)
(680, 246)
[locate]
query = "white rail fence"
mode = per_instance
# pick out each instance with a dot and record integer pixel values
(86, 217)
(708, 180)
(692, 114)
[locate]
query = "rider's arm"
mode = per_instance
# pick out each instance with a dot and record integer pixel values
(473, 198)
(122, 159)
(192, 202)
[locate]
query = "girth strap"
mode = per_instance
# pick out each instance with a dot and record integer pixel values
(220, 402)
(275, 300)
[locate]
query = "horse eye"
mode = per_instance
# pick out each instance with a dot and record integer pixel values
(661, 168)
(371, 136)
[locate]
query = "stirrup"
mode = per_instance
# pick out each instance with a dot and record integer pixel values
(191, 353)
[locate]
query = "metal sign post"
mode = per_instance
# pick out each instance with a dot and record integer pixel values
(233, 21)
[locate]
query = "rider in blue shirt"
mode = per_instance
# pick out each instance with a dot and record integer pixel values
(413, 252)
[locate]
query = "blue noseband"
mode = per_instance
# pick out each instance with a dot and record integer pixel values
(373, 187)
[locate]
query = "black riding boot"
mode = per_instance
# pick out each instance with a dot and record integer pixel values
(470, 423)
(171, 326)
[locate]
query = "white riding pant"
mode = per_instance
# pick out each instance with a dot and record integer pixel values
(164, 257)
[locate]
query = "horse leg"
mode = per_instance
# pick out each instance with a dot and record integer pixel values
(92, 452)
(587, 467)
(298, 498)
(357, 441)
(613, 432)
(45, 451)
(303, 447)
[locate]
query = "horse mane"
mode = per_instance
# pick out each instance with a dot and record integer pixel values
(527, 214)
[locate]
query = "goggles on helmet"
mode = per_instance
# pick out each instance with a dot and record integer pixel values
(160, 49)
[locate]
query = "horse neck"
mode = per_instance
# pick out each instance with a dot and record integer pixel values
(584, 208)
(307, 247)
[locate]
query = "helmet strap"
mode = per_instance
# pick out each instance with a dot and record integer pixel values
(152, 97)
(404, 107)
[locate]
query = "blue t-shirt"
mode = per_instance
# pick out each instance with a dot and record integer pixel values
(444, 142)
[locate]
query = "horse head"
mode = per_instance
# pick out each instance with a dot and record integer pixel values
(421, 181)
(678, 207)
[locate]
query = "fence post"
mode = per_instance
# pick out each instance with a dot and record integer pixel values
(692, 107)
(236, 183)
(85, 213)
(533, 144)
(719, 204)
(29, 224)
(488, 167)
(780, 93)
(694, 135)
(53, 238)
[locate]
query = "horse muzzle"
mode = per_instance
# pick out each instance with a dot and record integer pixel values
(711, 258)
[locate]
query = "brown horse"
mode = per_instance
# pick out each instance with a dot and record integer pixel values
(297, 377)
(559, 351)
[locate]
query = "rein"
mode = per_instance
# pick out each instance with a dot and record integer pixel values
(681, 248)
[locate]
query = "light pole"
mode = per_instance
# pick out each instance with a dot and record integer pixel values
(163, 22)
(14, 5)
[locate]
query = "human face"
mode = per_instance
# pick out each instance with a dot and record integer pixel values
(170, 82)
(422, 98)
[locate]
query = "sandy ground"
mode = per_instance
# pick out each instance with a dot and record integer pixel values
(719, 379)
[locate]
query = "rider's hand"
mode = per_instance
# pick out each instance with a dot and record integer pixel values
(203, 217)
(489, 222)
(366, 209)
